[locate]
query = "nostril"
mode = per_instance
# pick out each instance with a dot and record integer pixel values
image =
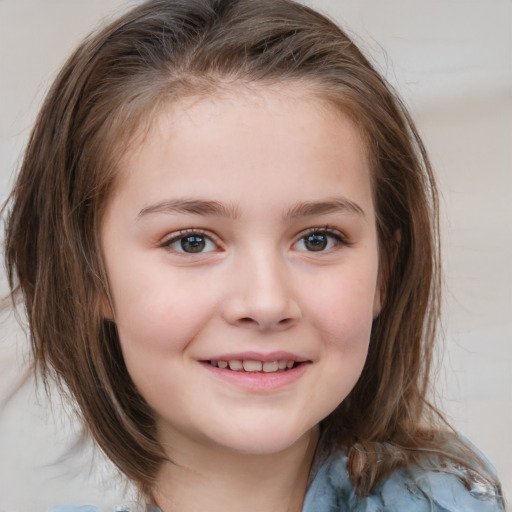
(248, 321)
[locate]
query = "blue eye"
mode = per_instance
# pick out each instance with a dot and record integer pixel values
(192, 243)
(318, 241)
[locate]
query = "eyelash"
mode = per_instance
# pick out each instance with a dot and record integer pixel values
(332, 233)
(338, 237)
(180, 235)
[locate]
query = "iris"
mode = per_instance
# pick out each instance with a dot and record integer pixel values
(316, 242)
(193, 243)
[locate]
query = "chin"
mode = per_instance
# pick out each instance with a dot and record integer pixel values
(265, 441)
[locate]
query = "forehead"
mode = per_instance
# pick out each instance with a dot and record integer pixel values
(269, 97)
(247, 138)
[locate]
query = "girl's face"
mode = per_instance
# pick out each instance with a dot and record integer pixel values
(242, 255)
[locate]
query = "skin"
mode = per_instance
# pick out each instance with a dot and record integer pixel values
(267, 171)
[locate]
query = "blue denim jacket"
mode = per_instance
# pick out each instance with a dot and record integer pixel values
(446, 488)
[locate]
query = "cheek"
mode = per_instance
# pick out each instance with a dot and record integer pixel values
(156, 324)
(342, 306)
(161, 313)
(341, 309)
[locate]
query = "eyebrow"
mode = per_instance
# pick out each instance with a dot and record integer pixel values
(192, 206)
(311, 208)
(205, 208)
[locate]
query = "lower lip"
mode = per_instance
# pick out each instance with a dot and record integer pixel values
(258, 381)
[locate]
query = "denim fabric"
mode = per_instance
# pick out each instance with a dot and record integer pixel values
(442, 488)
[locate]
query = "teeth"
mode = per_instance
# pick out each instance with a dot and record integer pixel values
(235, 365)
(249, 365)
(253, 366)
(270, 366)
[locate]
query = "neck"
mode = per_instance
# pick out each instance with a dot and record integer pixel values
(214, 480)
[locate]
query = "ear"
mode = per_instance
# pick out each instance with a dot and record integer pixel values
(377, 303)
(106, 308)
(384, 273)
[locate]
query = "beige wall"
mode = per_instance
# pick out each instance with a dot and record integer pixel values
(452, 60)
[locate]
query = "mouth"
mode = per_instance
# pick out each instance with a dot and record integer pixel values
(256, 372)
(253, 366)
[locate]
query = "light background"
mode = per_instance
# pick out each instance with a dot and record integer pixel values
(452, 62)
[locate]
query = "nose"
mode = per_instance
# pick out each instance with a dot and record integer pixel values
(261, 297)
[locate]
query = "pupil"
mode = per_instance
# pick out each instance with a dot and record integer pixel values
(193, 243)
(316, 242)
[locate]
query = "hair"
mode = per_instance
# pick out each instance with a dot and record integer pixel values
(107, 93)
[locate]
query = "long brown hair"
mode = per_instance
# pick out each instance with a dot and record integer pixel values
(106, 93)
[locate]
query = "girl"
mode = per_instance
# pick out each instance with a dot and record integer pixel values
(224, 232)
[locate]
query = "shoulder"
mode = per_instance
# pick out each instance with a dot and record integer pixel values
(442, 488)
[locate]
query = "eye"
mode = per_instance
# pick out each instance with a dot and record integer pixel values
(319, 240)
(190, 242)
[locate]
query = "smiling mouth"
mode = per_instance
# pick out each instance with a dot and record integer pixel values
(251, 366)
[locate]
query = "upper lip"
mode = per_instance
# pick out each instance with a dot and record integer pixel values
(257, 356)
